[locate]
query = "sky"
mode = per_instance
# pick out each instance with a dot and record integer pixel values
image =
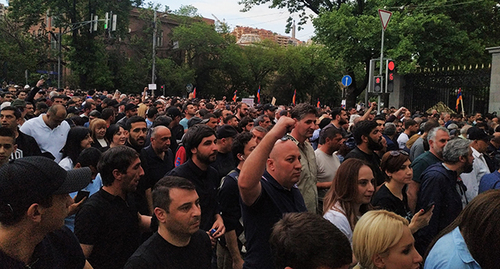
(261, 16)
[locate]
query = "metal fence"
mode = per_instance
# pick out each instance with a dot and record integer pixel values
(426, 87)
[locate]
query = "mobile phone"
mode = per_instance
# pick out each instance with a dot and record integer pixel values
(81, 194)
(213, 231)
(429, 206)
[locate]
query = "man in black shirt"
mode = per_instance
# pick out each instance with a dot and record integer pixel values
(34, 201)
(224, 162)
(108, 225)
(179, 242)
(26, 145)
(201, 149)
(228, 248)
(157, 159)
(137, 129)
(368, 138)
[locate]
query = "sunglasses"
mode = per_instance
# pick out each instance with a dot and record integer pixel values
(396, 153)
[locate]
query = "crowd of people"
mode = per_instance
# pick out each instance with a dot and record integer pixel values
(110, 180)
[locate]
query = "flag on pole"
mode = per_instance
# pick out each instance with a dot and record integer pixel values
(194, 93)
(459, 97)
(318, 105)
(258, 95)
(234, 96)
(294, 95)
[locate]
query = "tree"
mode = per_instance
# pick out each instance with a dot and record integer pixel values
(427, 34)
(84, 51)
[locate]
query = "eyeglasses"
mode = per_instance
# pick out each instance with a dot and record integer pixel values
(396, 153)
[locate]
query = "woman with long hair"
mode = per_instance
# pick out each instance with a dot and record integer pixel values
(98, 131)
(349, 196)
(391, 196)
(78, 139)
(473, 239)
(116, 135)
(382, 239)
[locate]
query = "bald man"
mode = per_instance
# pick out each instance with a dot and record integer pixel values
(157, 160)
(267, 195)
(49, 130)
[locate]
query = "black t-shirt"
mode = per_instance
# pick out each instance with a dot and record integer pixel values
(205, 187)
(229, 200)
(224, 163)
(154, 167)
(26, 146)
(111, 225)
(157, 253)
(373, 160)
(260, 217)
(384, 199)
(58, 250)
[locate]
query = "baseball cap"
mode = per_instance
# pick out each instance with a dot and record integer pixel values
(226, 130)
(268, 107)
(173, 112)
(26, 180)
(18, 103)
(130, 107)
(193, 121)
(474, 133)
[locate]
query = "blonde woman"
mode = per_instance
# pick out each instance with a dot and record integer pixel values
(382, 239)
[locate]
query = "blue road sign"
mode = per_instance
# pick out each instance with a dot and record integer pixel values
(346, 80)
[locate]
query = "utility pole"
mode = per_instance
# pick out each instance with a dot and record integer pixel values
(154, 53)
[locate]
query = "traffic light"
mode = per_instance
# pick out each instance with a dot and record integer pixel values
(377, 84)
(389, 75)
(106, 20)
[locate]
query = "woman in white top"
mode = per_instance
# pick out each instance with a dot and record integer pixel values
(78, 139)
(349, 197)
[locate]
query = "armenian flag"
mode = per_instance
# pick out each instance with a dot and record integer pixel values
(294, 95)
(258, 95)
(318, 105)
(459, 97)
(194, 93)
(234, 96)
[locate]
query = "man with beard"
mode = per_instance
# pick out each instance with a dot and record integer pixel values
(304, 116)
(339, 118)
(109, 225)
(241, 111)
(137, 130)
(179, 242)
(442, 186)
(481, 164)
(437, 137)
(368, 139)
(201, 149)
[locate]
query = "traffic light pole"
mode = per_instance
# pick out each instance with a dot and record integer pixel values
(381, 64)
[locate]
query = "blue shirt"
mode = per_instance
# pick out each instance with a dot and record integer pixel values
(451, 251)
(489, 182)
(93, 187)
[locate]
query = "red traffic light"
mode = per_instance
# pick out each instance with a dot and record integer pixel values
(377, 80)
(390, 65)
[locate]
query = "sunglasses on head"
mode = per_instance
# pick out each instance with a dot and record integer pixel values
(396, 153)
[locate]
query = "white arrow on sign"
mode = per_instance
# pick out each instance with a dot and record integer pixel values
(385, 17)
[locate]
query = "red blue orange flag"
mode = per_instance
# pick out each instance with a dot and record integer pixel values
(258, 95)
(318, 105)
(459, 97)
(194, 93)
(234, 96)
(294, 95)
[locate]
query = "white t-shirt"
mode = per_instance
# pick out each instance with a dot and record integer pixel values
(402, 139)
(337, 217)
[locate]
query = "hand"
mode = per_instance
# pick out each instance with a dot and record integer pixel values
(145, 89)
(420, 220)
(73, 208)
(374, 104)
(219, 227)
(40, 83)
(283, 126)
